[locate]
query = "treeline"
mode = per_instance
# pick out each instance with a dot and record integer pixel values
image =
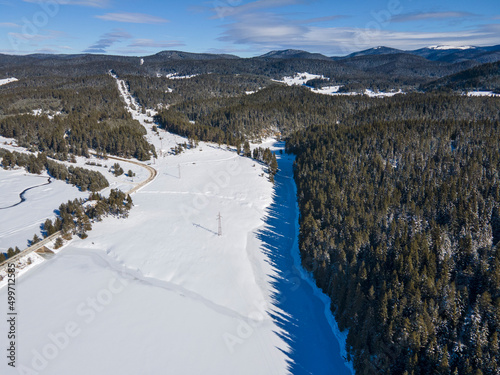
(75, 217)
(84, 179)
(152, 91)
(77, 134)
(287, 109)
(85, 95)
(266, 156)
(400, 226)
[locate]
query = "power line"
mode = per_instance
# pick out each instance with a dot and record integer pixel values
(219, 219)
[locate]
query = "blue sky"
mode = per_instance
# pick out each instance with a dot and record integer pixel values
(241, 27)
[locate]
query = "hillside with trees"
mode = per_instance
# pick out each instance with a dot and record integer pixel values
(77, 114)
(399, 224)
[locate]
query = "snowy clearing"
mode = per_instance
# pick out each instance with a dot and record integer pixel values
(327, 90)
(299, 79)
(18, 224)
(177, 76)
(7, 80)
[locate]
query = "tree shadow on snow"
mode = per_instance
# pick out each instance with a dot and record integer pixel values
(296, 310)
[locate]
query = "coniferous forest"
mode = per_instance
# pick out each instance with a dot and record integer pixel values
(400, 225)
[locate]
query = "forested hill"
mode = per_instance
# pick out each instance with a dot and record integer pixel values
(484, 77)
(61, 115)
(379, 71)
(400, 225)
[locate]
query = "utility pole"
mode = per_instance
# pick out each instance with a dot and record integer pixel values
(219, 219)
(179, 171)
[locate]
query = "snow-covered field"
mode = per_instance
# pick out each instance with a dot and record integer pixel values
(7, 80)
(300, 79)
(189, 292)
(162, 293)
(18, 224)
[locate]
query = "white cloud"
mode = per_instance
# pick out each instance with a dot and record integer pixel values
(273, 32)
(88, 3)
(235, 7)
(9, 24)
(36, 37)
(150, 43)
(107, 40)
(132, 18)
(260, 26)
(419, 16)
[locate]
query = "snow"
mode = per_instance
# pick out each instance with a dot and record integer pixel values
(177, 76)
(22, 266)
(161, 292)
(299, 79)
(482, 93)
(446, 47)
(50, 114)
(334, 90)
(327, 90)
(381, 94)
(18, 224)
(7, 80)
(141, 62)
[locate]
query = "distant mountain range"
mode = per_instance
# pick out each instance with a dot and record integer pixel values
(380, 67)
(449, 54)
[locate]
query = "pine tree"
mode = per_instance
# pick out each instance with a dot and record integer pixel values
(246, 150)
(35, 240)
(59, 243)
